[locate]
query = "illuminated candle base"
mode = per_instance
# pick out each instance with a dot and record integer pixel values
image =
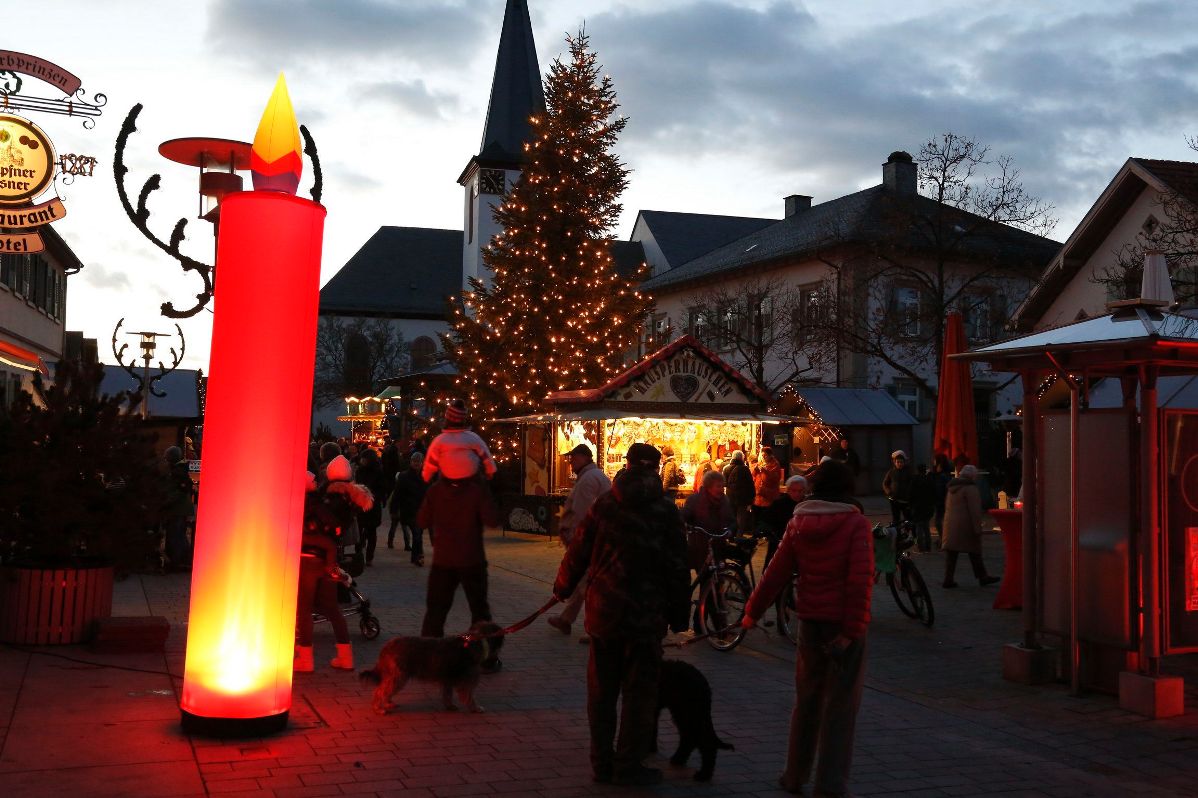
(241, 626)
(233, 727)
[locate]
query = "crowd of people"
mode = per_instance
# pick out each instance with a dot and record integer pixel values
(628, 565)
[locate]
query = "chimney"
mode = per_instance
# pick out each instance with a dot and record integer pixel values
(899, 173)
(1155, 286)
(795, 203)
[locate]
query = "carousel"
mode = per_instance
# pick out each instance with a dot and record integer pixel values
(365, 418)
(683, 398)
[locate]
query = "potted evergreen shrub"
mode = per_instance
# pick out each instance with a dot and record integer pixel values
(80, 495)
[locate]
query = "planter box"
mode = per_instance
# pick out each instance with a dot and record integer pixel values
(45, 606)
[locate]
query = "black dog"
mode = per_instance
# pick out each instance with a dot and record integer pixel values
(454, 662)
(684, 690)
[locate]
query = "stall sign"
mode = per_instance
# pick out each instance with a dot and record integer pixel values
(687, 379)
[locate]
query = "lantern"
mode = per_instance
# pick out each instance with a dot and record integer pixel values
(241, 632)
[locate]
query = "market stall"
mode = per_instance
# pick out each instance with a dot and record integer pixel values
(683, 397)
(365, 418)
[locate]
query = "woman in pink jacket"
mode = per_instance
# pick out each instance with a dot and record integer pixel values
(828, 543)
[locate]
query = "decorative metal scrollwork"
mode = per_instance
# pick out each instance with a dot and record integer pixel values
(141, 215)
(144, 381)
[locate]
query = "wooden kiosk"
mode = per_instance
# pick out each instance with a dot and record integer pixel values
(1110, 503)
(682, 396)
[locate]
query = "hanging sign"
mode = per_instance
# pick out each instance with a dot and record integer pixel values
(685, 378)
(40, 68)
(26, 160)
(27, 165)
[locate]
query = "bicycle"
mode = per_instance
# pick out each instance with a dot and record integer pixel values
(738, 554)
(723, 595)
(892, 556)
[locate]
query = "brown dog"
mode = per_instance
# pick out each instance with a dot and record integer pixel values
(455, 662)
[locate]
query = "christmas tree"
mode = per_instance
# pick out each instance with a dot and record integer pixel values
(557, 315)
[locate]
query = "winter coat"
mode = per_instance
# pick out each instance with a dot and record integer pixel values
(849, 458)
(632, 546)
(700, 472)
(408, 495)
(458, 454)
(738, 484)
(714, 515)
(923, 497)
(589, 484)
(962, 530)
(458, 512)
(830, 546)
(897, 483)
(370, 475)
(767, 482)
(672, 477)
(774, 519)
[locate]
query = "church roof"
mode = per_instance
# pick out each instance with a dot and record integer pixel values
(406, 272)
(683, 237)
(871, 216)
(516, 92)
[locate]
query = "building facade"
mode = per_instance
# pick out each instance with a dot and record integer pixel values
(33, 309)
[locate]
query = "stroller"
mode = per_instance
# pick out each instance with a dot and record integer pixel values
(330, 515)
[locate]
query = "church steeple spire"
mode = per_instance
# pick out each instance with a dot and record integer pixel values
(516, 92)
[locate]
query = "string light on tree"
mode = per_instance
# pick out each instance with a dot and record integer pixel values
(553, 276)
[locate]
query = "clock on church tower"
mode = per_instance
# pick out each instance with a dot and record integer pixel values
(491, 181)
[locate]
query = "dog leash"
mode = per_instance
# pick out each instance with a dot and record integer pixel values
(516, 627)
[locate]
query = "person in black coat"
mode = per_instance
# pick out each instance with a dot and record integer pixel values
(923, 506)
(370, 474)
(405, 504)
(738, 482)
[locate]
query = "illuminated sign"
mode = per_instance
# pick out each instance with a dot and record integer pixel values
(26, 160)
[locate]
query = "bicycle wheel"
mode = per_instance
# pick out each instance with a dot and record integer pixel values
(893, 581)
(917, 593)
(722, 608)
(784, 608)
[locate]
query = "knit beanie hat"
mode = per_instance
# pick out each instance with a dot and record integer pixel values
(455, 414)
(339, 470)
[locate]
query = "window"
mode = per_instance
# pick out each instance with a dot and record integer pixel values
(977, 313)
(814, 309)
(908, 394)
(10, 269)
(907, 302)
(657, 332)
(423, 353)
(731, 320)
(699, 326)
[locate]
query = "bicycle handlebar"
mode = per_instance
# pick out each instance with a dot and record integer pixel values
(727, 533)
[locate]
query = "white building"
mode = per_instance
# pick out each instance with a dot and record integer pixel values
(33, 310)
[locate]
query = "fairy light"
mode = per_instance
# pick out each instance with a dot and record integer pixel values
(554, 279)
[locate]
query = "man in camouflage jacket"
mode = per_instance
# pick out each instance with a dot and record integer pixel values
(633, 544)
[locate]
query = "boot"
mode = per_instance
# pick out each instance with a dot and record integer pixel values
(303, 660)
(344, 661)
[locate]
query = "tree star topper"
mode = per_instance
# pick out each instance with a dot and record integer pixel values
(276, 158)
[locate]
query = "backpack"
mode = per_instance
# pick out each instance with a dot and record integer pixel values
(330, 514)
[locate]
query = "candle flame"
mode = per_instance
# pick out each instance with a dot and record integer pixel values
(276, 158)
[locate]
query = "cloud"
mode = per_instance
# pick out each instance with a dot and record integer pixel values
(100, 276)
(1068, 91)
(412, 97)
(354, 31)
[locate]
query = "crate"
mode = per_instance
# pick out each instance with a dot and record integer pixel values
(46, 606)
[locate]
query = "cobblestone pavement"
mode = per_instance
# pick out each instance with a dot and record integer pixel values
(936, 720)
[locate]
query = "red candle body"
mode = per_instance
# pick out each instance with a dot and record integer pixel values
(241, 628)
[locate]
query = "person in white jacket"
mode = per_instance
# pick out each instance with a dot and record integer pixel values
(458, 452)
(589, 484)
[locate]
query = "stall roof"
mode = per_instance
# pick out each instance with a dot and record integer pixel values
(613, 386)
(856, 407)
(1135, 332)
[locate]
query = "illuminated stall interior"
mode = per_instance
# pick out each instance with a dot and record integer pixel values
(682, 397)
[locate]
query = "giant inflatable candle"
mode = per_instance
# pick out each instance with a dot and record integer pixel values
(241, 631)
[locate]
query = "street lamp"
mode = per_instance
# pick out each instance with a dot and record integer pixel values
(218, 160)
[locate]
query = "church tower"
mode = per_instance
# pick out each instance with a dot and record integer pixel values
(516, 94)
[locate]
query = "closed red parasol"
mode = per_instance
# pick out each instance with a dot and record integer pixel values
(956, 433)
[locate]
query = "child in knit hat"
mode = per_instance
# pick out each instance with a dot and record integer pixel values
(457, 452)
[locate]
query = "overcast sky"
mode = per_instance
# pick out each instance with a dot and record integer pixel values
(733, 104)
